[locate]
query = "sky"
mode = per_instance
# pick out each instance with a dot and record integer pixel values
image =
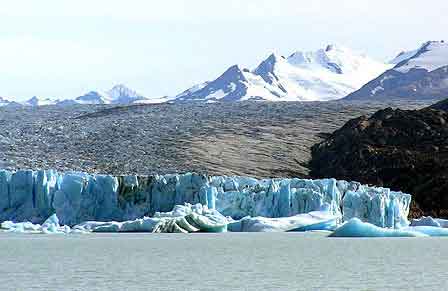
(63, 48)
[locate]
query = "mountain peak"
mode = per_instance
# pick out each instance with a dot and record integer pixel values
(417, 74)
(430, 56)
(121, 90)
(118, 94)
(121, 94)
(234, 73)
(268, 65)
(275, 57)
(325, 74)
(38, 101)
(5, 101)
(335, 47)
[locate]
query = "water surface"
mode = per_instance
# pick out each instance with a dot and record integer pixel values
(230, 261)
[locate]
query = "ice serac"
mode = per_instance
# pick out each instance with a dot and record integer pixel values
(76, 197)
(385, 208)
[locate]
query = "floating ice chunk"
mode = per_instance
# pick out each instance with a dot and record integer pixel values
(356, 228)
(145, 224)
(183, 218)
(180, 210)
(425, 221)
(317, 220)
(429, 230)
(429, 221)
(443, 222)
(20, 227)
(88, 226)
(196, 219)
(51, 225)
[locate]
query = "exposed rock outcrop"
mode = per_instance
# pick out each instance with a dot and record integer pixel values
(401, 149)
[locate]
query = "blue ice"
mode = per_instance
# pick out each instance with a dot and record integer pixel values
(77, 197)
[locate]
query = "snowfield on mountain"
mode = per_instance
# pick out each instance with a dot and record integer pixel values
(418, 74)
(322, 75)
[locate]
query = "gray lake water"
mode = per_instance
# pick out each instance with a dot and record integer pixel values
(230, 261)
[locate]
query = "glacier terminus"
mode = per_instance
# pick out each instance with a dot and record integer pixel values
(191, 202)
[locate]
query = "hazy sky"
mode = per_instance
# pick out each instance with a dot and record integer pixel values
(62, 48)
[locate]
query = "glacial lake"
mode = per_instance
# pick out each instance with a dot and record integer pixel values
(229, 261)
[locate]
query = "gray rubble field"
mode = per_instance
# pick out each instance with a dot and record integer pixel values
(259, 139)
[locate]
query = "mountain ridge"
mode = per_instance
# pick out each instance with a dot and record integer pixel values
(326, 74)
(330, 73)
(118, 95)
(417, 74)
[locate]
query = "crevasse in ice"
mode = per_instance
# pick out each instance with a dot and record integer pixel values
(77, 197)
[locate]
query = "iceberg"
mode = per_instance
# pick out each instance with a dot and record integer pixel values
(425, 221)
(356, 228)
(182, 219)
(316, 220)
(428, 230)
(197, 218)
(191, 219)
(50, 226)
(77, 197)
(429, 221)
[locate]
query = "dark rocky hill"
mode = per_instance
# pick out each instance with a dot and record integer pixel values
(442, 105)
(403, 149)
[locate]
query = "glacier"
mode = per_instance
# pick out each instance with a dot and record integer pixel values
(46, 201)
(75, 197)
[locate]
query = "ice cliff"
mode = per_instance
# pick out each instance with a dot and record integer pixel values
(77, 197)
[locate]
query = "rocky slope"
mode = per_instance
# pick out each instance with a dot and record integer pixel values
(442, 105)
(401, 149)
(260, 139)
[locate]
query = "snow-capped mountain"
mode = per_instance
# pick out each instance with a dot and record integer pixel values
(417, 74)
(39, 101)
(430, 56)
(93, 97)
(4, 101)
(326, 74)
(119, 94)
